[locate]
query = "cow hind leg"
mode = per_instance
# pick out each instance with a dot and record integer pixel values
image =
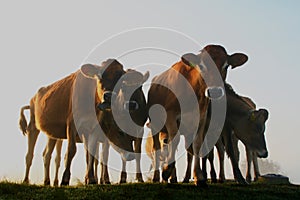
(47, 159)
(57, 161)
(32, 134)
(213, 175)
(189, 157)
(123, 173)
(221, 154)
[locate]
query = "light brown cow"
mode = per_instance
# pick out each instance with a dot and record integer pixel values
(67, 109)
(198, 72)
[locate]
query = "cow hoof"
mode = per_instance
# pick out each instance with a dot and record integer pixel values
(26, 181)
(242, 181)
(221, 181)
(173, 180)
(167, 171)
(156, 177)
(214, 180)
(64, 182)
(91, 181)
(122, 181)
(186, 180)
(46, 182)
(55, 183)
(139, 178)
(201, 184)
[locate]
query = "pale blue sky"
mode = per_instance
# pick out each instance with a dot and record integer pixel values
(42, 42)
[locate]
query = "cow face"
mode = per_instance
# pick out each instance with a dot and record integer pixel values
(214, 90)
(108, 74)
(222, 60)
(250, 130)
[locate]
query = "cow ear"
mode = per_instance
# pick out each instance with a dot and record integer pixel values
(190, 59)
(89, 70)
(264, 113)
(237, 59)
(145, 77)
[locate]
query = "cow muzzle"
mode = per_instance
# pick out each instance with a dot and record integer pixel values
(262, 154)
(131, 105)
(106, 104)
(128, 156)
(214, 92)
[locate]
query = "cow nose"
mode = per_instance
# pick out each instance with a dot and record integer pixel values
(131, 105)
(214, 92)
(128, 156)
(262, 154)
(107, 96)
(165, 141)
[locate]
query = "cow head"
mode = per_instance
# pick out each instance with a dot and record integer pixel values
(222, 60)
(206, 68)
(251, 130)
(107, 74)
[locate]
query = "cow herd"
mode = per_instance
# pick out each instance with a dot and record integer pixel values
(106, 104)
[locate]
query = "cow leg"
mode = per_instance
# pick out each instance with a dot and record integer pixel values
(90, 145)
(256, 168)
(57, 160)
(47, 158)
(137, 150)
(189, 157)
(249, 162)
(174, 138)
(156, 156)
(221, 154)
(123, 173)
(96, 163)
(204, 165)
(213, 175)
(230, 151)
(173, 176)
(32, 134)
(197, 173)
(71, 151)
(104, 179)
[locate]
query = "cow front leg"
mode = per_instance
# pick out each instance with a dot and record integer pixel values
(256, 167)
(199, 179)
(233, 158)
(189, 157)
(137, 150)
(249, 163)
(104, 179)
(71, 151)
(123, 173)
(221, 154)
(47, 158)
(213, 175)
(156, 156)
(168, 169)
(91, 145)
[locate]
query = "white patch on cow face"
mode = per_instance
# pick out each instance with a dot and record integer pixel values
(225, 65)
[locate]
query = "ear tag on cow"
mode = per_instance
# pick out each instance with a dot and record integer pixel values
(252, 116)
(192, 65)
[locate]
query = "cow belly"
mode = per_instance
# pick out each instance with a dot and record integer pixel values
(53, 130)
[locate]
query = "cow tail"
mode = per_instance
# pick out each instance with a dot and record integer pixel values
(22, 120)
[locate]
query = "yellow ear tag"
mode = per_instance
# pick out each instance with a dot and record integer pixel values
(252, 117)
(192, 65)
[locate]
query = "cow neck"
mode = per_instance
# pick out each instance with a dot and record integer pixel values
(237, 107)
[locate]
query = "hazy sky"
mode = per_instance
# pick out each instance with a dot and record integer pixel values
(42, 42)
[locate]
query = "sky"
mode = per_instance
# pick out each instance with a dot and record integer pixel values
(42, 42)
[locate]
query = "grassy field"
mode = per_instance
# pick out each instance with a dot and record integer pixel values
(150, 191)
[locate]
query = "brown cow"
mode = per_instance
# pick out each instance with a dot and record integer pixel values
(198, 71)
(67, 109)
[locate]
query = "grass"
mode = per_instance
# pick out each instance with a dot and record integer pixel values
(150, 191)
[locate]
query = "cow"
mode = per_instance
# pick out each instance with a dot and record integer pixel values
(197, 70)
(135, 102)
(68, 109)
(243, 122)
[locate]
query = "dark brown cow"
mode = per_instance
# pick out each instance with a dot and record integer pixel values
(199, 73)
(67, 109)
(244, 122)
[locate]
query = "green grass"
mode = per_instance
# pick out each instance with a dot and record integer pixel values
(150, 191)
